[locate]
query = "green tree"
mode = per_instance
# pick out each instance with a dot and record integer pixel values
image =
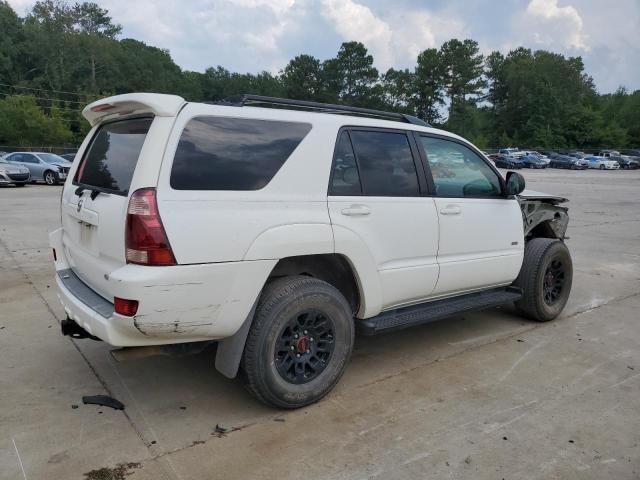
(352, 75)
(302, 78)
(427, 91)
(24, 123)
(94, 26)
(463, 67)
(10, 40)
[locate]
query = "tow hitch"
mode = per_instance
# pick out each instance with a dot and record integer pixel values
(72, 329)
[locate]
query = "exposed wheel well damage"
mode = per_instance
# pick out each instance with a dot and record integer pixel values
(544, 219)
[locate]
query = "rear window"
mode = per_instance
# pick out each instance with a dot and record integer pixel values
(112, 156)
(217, 153)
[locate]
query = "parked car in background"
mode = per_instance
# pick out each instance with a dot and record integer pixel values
(509, 152)
(43, 166)
(603, 163)
(13, 174)
(608, 153)
(632, 153)
(532, 161)
(69, 156)
(626, 162)
(539, 155)
(565, 161)
(506, 161)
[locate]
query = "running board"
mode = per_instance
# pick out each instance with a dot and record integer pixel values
(436, 310)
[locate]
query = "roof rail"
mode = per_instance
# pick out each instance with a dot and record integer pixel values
(248, 99)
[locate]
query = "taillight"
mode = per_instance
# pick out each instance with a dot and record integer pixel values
(146, 241)
(128, 308)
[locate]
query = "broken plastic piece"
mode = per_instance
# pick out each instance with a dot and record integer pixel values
(103, 400)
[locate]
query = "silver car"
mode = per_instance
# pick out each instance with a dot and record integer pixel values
(43, 166)
(13, 174)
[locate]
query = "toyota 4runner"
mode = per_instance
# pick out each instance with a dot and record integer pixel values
(280, 232)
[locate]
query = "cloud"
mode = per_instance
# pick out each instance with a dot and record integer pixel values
(399, 38)
(551, 24)
(256, 35)
(354, 21)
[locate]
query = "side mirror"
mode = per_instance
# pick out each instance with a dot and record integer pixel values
(515, 183)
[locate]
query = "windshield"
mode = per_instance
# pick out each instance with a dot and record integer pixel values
(51, 158)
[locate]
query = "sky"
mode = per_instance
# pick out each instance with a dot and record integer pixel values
(257, 35)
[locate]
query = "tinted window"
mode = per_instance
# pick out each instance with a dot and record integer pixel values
(23, 157)
(385, 163)
(458, 171)
(217, 153)
(345, 179)
(111, 158)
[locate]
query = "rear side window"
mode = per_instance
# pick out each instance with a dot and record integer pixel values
(217, 153)
(112, 156)
(345, 179)
(385, 163)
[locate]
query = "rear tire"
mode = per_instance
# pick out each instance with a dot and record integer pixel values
(545, 279)
(299, 343)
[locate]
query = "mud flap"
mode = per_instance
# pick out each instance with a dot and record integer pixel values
(230, 349)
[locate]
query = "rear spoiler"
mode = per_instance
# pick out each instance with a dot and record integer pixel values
(158, 104)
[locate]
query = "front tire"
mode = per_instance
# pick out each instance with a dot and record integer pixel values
(299, 343)
(545, 279)
(50, 178)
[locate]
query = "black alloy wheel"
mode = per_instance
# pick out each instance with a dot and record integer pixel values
(304, 347)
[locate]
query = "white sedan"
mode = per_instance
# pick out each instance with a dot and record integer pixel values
(603, 163)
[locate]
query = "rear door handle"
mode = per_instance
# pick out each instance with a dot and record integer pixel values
(451, 210)
(356, 211)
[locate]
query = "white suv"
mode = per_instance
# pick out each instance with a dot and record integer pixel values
(279, 232)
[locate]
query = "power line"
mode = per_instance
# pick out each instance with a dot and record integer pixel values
(49, 90)
(44, 98)
(47, 106)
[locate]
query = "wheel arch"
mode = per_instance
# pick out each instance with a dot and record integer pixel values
(335, 269)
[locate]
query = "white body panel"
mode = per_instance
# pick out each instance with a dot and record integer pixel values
(401, 236)
(481, 243)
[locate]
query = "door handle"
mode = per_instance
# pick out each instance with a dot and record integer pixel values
(451, 210)
(356, 211)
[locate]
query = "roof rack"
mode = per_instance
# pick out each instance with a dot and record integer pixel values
(248, 99)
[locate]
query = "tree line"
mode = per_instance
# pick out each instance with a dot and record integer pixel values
(61, 56)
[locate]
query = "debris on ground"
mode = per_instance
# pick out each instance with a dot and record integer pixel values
(120, 472)
(104, 400)
(221, 429)
(74, 406)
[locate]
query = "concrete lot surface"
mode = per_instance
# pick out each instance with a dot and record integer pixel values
(484, 396)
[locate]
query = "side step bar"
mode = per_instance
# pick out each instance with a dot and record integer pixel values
(436, 310)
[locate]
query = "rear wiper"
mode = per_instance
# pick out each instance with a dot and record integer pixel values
(80, 190)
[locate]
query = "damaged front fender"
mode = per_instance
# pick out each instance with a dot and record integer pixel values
(543, 216)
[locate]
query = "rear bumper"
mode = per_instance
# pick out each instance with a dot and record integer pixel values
(183, 303)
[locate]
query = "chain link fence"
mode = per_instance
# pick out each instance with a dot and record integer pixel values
(58, 150)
